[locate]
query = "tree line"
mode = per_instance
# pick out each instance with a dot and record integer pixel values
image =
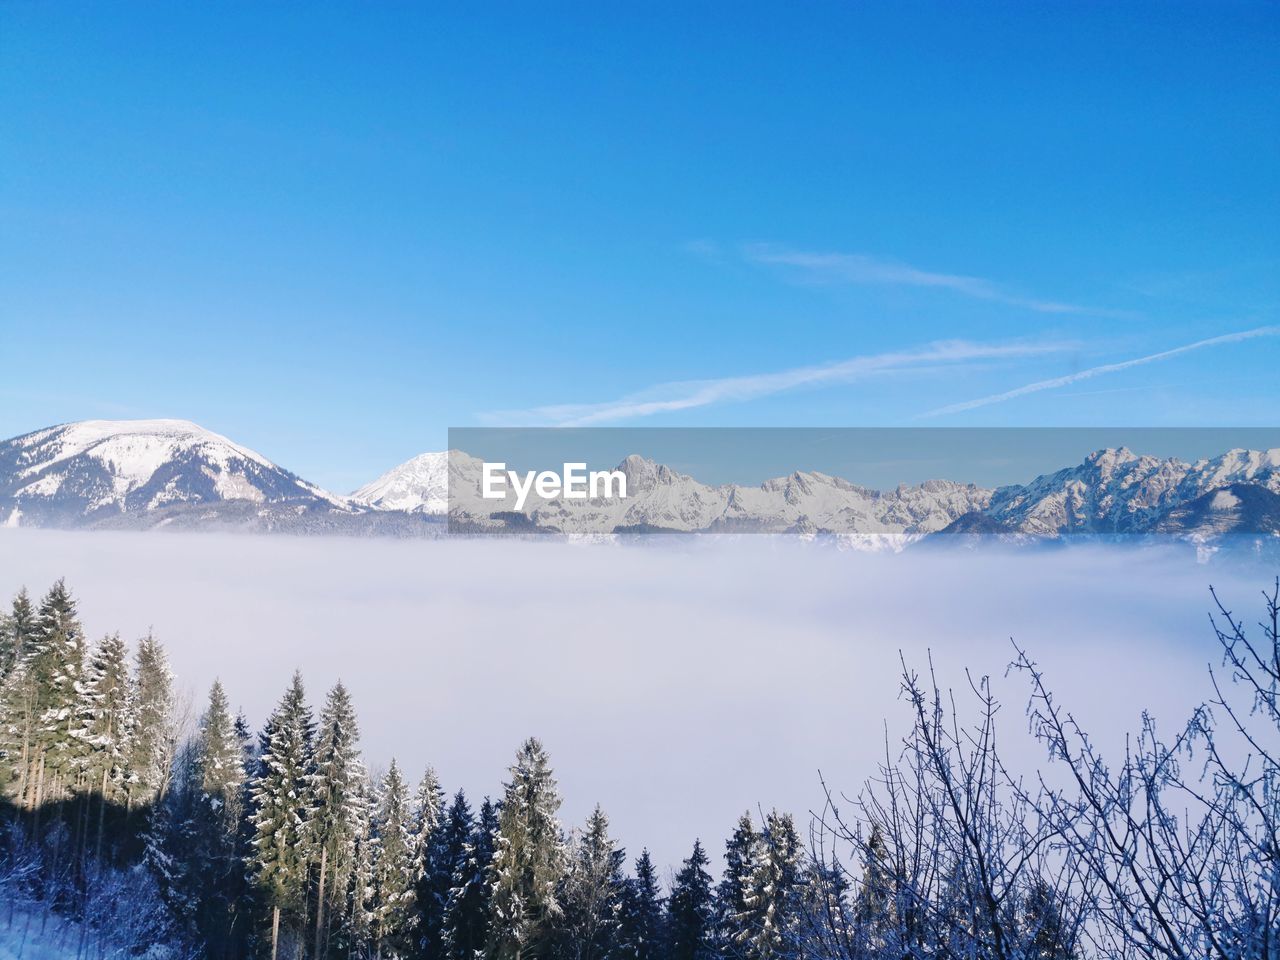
(233, 843)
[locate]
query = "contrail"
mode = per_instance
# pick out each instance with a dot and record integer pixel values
(1099, 371)
(857, 268)
(671, 397)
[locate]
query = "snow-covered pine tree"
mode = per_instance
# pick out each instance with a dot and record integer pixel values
(393, 910)
(465, 925)
(17, 696)
(152, 737)
(874, 910)
(528, 862)
(741, 854)
(103, 708)
(766, 929)
(171, 844)
(17, 628)
(217, 809)
(827, 925)
(446, 855)
(691, 910)
(280, 792)
(354, 937)
(248, 744)
(220, 759)
(591, 894)
(642, 933)
(1045, 934)
(54, 662)
(427, 813)
(428, 809)
(336, 811)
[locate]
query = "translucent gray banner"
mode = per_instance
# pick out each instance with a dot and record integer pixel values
(875, 485)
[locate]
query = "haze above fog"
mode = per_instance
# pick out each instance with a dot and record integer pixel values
(676, 684)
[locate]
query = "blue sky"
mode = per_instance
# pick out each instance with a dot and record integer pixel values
(333, 231)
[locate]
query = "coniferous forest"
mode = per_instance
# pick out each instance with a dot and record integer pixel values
(128, 831)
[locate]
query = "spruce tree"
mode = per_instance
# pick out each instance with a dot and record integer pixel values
(216, 813)
(17, 629)
(54, 664)
(446, 855)
(354, 937)
(393, 907)
(334, 818)
(103, 714)
(1045, 934)
(152, 737)
(592, 894)
(18, 698)
(642, 933)
(466, 921)
(281, 792)
(691, 909)
(428, 809)
(741, 854)
(874, 908)
(173, 846)
(220, 758)
(827, 922)
(528, 862)
(766, 928)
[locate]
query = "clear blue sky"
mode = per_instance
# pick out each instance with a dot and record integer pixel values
(333, 231)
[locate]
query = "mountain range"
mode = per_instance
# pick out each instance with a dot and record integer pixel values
(145, 474)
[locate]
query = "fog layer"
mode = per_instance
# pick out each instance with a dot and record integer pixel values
(676, 685)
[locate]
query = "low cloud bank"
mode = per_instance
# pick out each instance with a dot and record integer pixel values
(677, 684)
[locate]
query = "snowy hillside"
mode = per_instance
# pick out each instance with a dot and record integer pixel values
(159, 473)
(660, 498)
(1118, 491)
(1112, 492)
(420, 485)
(172, 473)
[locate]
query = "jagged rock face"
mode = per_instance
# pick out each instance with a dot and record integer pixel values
(144, 473)
(662, 499)
(1117, 491)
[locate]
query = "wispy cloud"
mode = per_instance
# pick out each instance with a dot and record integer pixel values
(1055, 382)
(687, 395)
(857, 268)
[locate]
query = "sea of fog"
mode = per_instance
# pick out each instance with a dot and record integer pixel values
(678, 684)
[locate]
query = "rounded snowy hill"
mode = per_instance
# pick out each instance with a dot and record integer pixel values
(104, 471)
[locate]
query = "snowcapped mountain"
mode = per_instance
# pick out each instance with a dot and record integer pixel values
(152, 473)
(1119, 492)
(173, 473)
(662, 499)
(1113, 492)
(420, 485)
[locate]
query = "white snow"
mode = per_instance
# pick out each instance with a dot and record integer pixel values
(418, 485)
(69, 461)
(1224, 500)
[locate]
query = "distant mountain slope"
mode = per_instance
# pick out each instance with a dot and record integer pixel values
(149, 473)
(146, 474)
(662, 499)
(1118, 491)
(420, 485)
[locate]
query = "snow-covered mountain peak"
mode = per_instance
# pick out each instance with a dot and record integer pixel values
(419, 485)
(96, 468)
(644, 474)
(135, 448)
